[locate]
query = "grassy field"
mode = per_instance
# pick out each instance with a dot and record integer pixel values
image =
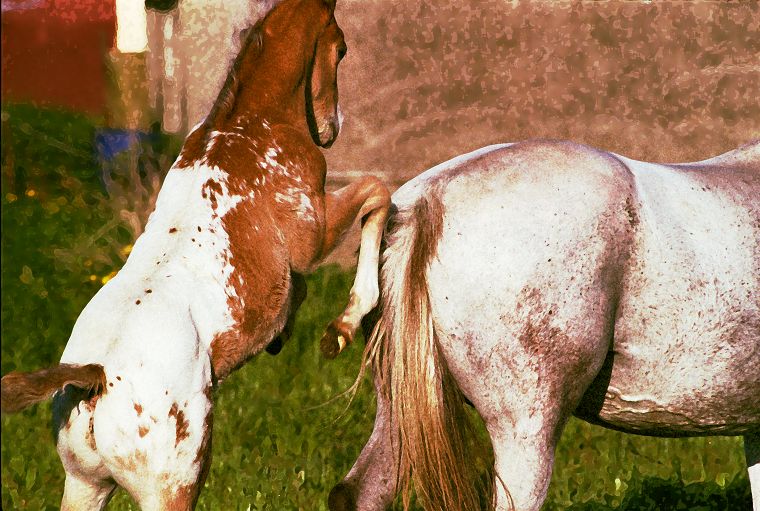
(277, 445)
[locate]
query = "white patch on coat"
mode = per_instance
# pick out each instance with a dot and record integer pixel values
(340, 118)
(152, 326)
(270, 158)
(213, 137)
(305, 209)
(297, 201)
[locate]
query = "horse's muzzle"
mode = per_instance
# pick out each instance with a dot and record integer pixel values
(330, 131)
(328, 134)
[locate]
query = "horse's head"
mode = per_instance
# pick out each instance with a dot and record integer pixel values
(322, 110)
(288, 68)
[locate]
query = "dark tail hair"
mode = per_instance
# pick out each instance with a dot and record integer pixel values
(428, 413)
(20, 390)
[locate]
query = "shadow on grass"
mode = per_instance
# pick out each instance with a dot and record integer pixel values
(656, 494)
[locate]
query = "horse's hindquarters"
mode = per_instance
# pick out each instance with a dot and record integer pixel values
(517, 263)
(524, 279)
(523, 284)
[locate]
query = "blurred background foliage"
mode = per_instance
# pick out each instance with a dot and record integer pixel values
(279, 442)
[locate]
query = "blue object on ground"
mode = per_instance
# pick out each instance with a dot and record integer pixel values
(109, 142)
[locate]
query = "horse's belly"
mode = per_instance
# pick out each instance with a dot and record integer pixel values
(680, 369)
(681, 366)
(667, 397)
(684, 368)
(685, 357)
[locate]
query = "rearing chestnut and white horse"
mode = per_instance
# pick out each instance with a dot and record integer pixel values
(215, 278)
(544, 279)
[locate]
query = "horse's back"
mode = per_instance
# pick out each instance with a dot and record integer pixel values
(144, 329)
(643, 275)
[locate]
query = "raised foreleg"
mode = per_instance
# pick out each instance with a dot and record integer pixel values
(369, 200)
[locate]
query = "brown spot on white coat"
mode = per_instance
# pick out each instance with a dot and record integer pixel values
(181, 424)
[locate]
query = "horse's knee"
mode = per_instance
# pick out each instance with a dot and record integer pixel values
(342, 498)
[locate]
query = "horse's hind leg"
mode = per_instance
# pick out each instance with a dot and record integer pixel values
(83, 495)
(371, 483)
(752, 453)
(170, 497)
(524, 457)
(165, 496)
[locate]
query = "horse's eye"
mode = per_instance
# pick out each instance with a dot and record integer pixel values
(341, 52)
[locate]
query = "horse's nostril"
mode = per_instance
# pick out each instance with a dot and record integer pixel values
(341, 498)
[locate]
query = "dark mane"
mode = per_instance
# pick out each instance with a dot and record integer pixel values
(228, 93)
(196, 141)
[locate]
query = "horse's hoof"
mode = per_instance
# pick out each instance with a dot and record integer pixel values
(341, 498)
(274, 347)
(336, 338)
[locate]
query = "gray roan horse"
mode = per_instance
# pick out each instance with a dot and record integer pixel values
(544, 279)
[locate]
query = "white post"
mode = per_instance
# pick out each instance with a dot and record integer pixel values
(173, 83)
(131, 26)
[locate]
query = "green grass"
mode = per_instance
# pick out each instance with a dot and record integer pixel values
(276, 445)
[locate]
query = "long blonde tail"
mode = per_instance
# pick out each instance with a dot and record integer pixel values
(20, 390)
(429, 421)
